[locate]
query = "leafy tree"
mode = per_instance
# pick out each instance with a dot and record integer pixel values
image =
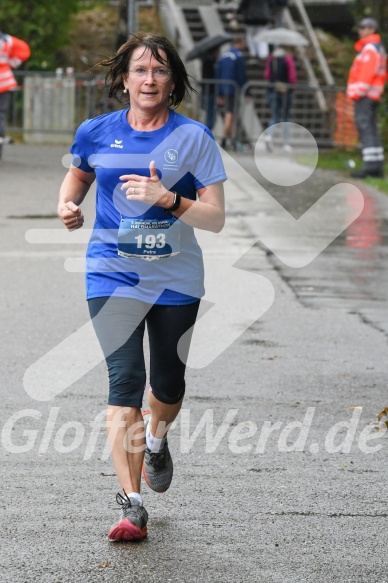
(44, 25)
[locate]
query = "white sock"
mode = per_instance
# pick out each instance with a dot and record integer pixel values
(154, 444)
(135, 495)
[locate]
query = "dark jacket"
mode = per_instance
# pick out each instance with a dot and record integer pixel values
(209, 71)
(231, 67)
(278, 3)
(280, 68)
(254, 12)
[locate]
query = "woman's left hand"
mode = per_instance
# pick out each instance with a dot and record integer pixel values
(146, 189)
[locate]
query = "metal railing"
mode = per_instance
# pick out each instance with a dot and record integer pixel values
(41, 113)
(252, 113)
(321, 59)
(48, 104)
(332, 126)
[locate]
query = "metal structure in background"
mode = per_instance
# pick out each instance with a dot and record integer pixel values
(37, 101)
(194, 20)
(131, 16)
(305, 59)
(333, 126)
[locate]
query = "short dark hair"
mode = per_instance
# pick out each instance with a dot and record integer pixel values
(118, 66)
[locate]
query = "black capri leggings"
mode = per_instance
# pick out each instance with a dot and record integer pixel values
(120, 324)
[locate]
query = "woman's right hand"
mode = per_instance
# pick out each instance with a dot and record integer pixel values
(71, 215)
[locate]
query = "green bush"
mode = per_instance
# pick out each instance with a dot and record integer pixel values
(44, 25)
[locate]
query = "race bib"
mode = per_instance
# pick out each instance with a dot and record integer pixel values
(149, 238)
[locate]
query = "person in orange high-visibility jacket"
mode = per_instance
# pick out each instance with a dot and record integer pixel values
(367, 78)
(13, 52)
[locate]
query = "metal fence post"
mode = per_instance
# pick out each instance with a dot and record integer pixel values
(132, 16)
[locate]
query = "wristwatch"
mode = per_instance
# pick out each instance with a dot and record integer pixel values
(175, 204)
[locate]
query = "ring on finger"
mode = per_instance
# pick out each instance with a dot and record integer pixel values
(133, 190)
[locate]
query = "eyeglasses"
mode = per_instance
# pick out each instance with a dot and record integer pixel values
(161, 74)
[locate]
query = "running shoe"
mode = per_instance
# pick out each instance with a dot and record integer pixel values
(133, 520)
(157, 467)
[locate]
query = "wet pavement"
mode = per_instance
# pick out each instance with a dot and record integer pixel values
(280, 472)
(352, 272)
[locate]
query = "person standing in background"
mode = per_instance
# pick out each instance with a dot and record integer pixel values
(13, 52)
(230, 69)
(367, 77)
(280, 71)
(208, 97)
(256, 16)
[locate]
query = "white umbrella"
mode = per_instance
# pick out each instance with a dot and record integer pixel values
(282, 36)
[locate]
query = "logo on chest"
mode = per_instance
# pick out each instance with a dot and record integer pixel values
(117, 144)
(171, 159)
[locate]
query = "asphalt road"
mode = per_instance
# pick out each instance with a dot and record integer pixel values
(280, 470)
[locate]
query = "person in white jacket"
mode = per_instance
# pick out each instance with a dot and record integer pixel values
(256, 15)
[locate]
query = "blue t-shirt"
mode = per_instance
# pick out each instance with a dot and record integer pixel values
(186, 158)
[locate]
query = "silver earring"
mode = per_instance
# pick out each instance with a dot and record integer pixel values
(125, 91)
(170, 93)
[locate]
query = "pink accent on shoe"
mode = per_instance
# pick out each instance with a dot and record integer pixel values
(125, 530)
